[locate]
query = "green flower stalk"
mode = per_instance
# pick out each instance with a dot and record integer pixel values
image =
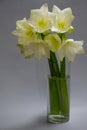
(44, 34)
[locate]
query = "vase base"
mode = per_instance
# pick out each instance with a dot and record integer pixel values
(57, 119)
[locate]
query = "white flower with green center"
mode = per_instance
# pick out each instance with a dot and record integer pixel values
(63, 19)
(70, 48)
(24, 32)
(41, 19)
(30, 43)
(53, 41)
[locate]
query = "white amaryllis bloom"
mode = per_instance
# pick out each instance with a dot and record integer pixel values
(63, 19)
(69, 49)
(29, 42)
(36, 48)
(24, 32)
(53, 41)
(41, 18)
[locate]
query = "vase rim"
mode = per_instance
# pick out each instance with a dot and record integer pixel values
(59, 78)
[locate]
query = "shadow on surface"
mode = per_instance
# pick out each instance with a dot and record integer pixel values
(34, 124)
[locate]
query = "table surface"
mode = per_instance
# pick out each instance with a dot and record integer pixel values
(36, 119)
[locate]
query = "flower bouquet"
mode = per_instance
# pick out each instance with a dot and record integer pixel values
(45, 33)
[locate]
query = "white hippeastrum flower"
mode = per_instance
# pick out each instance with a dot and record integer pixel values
(69, 49)
(30, 42)
(53, 41)
(41, 18)
(24, 32)
(36, 48)
(63, 19)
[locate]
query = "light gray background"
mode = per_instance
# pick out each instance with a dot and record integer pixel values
(23, 83)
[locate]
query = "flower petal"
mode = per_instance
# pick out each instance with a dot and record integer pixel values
(67, 16)
(56, 9)
(53, 41)
(36, 48)
(63, 19)
(44, 7)
(40, 19)
(70, 48)
(24, 32)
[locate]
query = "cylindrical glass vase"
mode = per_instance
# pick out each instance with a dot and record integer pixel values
(58, 108)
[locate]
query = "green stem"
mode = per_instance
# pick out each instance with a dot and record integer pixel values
(58, 93)
(53, 65)
(63, 68)
(53, 89)
(64, 89)
(53, 95)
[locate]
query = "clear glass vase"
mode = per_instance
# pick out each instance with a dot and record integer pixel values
(58, 108)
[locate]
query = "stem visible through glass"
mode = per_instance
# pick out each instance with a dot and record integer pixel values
(59, 102)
